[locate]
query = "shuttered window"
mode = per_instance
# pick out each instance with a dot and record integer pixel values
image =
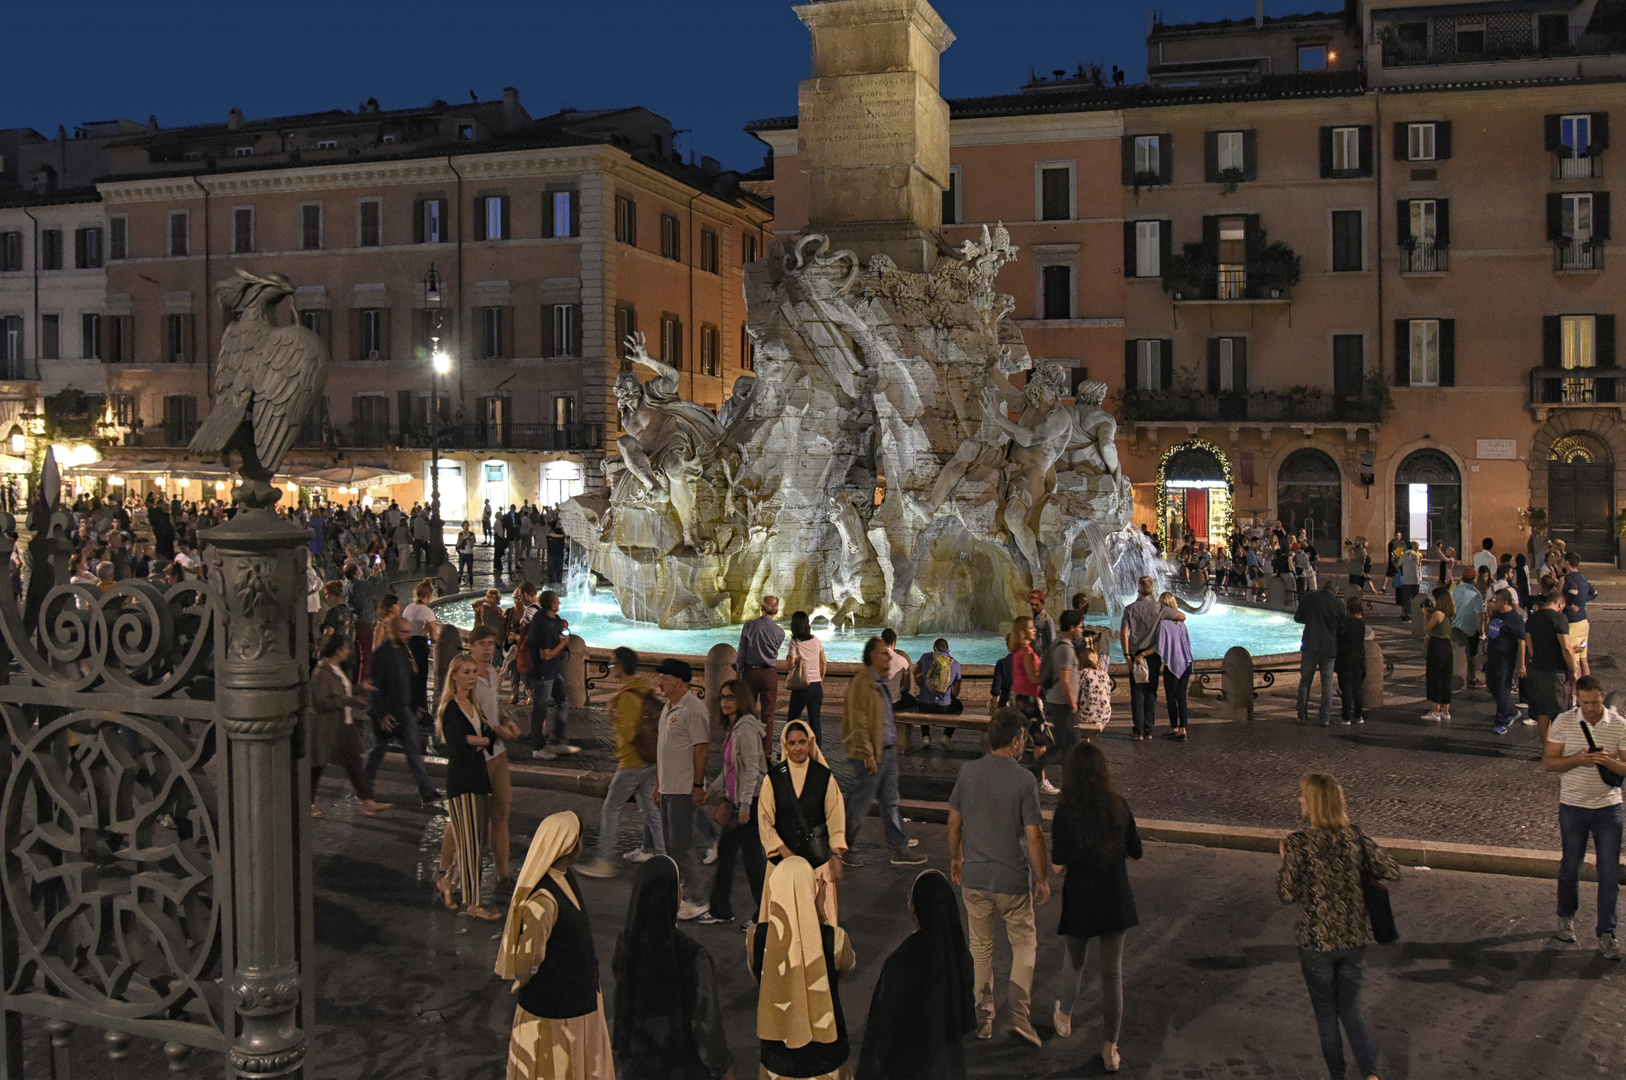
(310, 227)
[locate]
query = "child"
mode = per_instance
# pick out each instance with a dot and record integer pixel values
(1094, 683)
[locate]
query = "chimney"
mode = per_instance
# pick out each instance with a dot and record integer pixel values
(1259, 14)
(152, 121)
(512, 114)
(710, 166)
(235, 120)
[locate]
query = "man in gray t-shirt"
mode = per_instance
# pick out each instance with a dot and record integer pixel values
(680, 772)
(1060, 699)
(996, 836)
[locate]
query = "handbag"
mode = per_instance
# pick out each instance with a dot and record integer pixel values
(726, 816)
(1141, 671)
(797, 679)
(1379, 912)
(818, 836)
(1605, 773)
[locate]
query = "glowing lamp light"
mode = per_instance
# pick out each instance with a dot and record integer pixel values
(442, 362)
(183, 481)
(17, 446)
(116, 481)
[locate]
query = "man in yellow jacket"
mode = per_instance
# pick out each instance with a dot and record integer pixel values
(634, 777)
(869, 735)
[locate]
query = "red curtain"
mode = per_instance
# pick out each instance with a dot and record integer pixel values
(1197, 512)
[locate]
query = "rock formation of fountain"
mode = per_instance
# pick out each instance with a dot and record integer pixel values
(880, 468)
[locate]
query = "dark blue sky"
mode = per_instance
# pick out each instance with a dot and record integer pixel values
(708, 65)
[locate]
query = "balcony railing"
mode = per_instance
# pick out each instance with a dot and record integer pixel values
(1584, 167)
(1576, 386)
(1424, 257)
(1577, 255)
(464, 437)
(1511, 40)
(1256, 408)
(1231, 282)
(162, 436)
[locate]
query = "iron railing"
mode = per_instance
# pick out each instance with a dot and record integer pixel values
(1263, 407)
(1576, 386)
(1424, 257)
(1571, 254)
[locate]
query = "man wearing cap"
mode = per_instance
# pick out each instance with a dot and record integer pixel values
(760, 642)
(680, 772)
(1044, 627)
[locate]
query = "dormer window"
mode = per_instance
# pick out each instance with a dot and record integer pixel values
(327, 144)
(465, 132)
(192, 155)
(244, 151)
(389, 138)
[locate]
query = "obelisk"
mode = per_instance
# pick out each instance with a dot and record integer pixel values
(873, 131)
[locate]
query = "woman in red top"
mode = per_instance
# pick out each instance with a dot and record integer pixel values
(1024, 666)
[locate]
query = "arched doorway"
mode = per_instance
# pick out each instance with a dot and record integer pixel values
(1428, 500)
(1310, 496)
(1194, 494)
(1581, 495)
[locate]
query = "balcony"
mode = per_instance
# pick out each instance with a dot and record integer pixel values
(1575, 388)
(548, 437)
(1263, 407)
(1569, 254)
(1584, 167)
(1424, 257)
(1195, 277)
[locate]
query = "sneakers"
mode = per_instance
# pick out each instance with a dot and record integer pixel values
(913, 842)
(1063, 1022)
(1566, 928)
(1022, 1028)
(985, 1027)
(638, 855)
(1047, 788)
(597, 868)
(708, 919)
(690, 910)
(1500, 729)
(711, 855)
(849, 859)
(546, 753)
(1528, 722)
(925, 742)
(1607, 947)
(566, 748)
(907, 858)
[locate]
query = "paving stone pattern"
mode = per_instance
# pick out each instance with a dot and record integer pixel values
(1476, 989)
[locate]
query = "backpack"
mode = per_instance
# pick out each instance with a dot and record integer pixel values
(1049, 671)
(939, 675)
(647, 741)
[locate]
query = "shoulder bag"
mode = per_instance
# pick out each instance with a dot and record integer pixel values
(797, 679)
(1379, 912)
(818, 836)
(1605, 773)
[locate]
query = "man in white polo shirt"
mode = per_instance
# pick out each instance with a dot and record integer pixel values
(1582, 744)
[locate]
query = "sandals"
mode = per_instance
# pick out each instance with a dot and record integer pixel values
(475, 911)
(443, 885)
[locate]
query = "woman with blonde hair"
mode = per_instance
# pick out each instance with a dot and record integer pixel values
(464, 732)
(1024, 667)
(798, 959)
(1321, 873)
(559, 1031)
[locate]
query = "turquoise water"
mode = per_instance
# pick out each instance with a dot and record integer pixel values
(598, 620)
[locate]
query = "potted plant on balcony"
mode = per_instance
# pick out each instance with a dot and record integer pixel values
(1278, 268)
(1230, 178)
(1184, 275)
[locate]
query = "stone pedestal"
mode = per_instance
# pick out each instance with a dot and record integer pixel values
(1372, 688)
(719, 669)
(1236, 683)
(874, 131)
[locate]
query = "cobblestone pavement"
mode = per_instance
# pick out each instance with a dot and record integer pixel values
(1476, 989)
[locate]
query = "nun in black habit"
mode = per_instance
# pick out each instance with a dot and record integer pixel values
(668, 1021)
(923, 1006)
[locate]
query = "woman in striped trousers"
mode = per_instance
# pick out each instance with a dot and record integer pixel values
(459, 725)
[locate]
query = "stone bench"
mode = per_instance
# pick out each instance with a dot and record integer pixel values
(908, 721)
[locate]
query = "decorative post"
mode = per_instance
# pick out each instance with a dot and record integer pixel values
(257, 560)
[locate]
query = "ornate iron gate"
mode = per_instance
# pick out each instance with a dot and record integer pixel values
(143, 891)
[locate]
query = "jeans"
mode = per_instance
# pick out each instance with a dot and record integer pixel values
(1016, 912)
(866, 788)
(465, 566)
(419, 647)
(406, 733)
(1603, 825)
(1143, 696)
(1334, 980)
(1352, 690)
(1063, 721)
(1499, 680)
(744, 842)
(1309, 664)
(1404, 595)
(764, 682)
(636, 783)
(1110, 950)
(810, 698)
(546, 728)
(677, 823)
(1174, 697)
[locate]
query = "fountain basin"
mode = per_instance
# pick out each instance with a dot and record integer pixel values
(597, 619)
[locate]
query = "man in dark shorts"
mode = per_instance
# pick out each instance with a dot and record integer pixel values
(1551, 661)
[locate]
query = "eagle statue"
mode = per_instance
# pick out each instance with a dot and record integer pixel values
(266, 381)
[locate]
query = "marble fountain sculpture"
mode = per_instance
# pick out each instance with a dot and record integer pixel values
(881, 468)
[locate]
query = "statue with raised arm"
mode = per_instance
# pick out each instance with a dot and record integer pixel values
(667, 441)
(1029, 449)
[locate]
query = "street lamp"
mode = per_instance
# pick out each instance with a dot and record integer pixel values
(439, 364)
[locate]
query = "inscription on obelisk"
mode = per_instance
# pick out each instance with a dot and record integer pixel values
(873, 128)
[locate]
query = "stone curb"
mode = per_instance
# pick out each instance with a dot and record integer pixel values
(1472, 858)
